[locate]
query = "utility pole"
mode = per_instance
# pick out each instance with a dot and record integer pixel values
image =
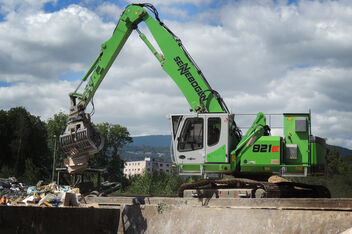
(52, 175)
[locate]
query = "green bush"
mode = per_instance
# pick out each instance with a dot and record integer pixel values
(154, 183)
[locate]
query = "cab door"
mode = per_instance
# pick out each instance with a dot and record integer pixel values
(217, 132)
(189, 142)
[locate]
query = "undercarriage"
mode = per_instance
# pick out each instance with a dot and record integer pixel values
(247, 188)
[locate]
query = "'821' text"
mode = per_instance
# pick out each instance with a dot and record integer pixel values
(264, 148)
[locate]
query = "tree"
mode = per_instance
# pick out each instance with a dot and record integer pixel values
(30, 175)
(5, 139)
(336, 165)
(157, 183)
(23, 136)
(56, 126)
(115, 137)
(174, 183)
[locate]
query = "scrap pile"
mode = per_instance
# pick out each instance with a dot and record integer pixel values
(13, 193)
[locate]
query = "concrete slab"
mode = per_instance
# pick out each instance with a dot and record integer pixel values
(194, 219)
(190, 215)
(344, 204)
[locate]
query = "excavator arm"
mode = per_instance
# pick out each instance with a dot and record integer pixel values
(174, 59)
(80, 139)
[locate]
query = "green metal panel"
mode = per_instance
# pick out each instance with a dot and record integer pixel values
(300, 138)
(206, 167)
(263, 155)
(218, 155)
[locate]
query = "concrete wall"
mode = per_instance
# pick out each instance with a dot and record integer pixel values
(58, 220)
(177, 215)
(188, 219)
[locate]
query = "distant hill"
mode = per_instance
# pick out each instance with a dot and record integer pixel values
(343, 151)
(152, 140)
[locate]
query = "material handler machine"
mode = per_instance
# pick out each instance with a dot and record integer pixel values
(207, 141)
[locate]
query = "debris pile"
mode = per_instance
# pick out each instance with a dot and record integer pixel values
(13, 193)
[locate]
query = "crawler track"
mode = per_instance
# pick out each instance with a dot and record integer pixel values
(265, 189)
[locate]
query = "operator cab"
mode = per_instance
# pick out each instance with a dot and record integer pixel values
(201, 138)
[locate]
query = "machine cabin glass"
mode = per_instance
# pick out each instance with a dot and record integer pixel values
(214, 129)
(176, 120)
(192, 135)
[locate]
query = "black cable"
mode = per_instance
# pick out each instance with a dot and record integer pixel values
(217, 96)
(151, 8)
(266, 129)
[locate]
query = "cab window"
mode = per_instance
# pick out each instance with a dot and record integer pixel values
(214, 127)
(175, 124)
(191, 137)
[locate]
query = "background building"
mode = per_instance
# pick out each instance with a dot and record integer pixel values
(138, 167)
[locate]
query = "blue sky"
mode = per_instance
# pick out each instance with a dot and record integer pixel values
(4, 84)
(71, 75)
(191, 9)
(51, 7)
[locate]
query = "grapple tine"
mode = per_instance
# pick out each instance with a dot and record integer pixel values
(80, 138)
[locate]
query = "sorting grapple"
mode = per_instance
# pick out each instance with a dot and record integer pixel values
(80, 140)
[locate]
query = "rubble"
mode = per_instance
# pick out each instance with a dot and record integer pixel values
(13, 193)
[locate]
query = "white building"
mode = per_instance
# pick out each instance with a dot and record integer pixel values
(138, 167)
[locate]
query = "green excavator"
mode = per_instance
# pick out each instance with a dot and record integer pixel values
(207, 141)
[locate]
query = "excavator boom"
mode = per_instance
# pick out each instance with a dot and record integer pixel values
(173, 58)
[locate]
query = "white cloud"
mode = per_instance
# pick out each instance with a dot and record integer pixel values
(260, 56)
(109, 10)
(335, 126)
(41, 46)
(22, 6)
(173, 11)
(39, 99)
